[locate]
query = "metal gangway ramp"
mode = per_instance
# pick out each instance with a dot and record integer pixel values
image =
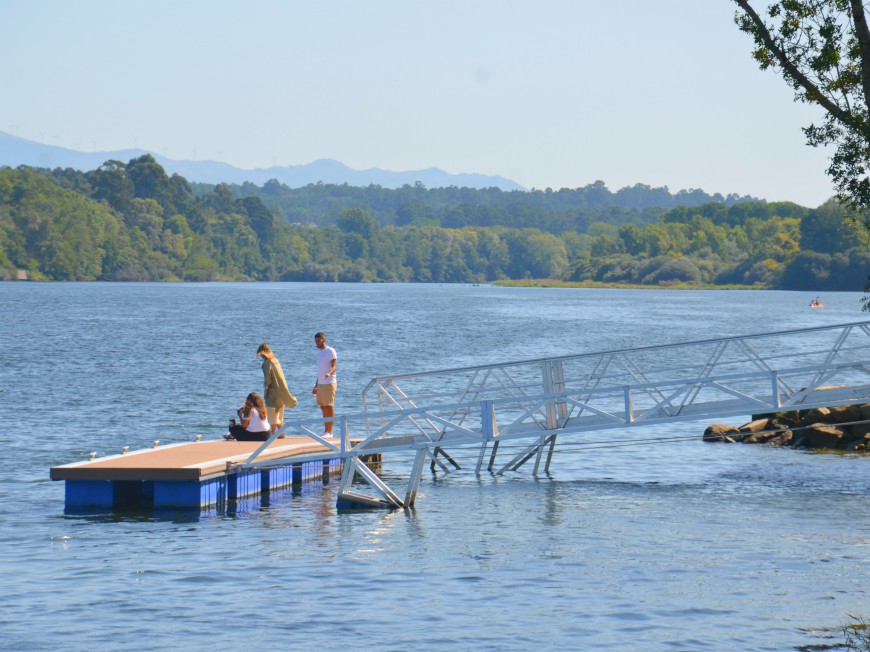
(424, 415)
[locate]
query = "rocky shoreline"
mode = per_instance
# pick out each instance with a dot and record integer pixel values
(842, 428)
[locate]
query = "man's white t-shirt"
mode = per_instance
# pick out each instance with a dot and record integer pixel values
(325, 356)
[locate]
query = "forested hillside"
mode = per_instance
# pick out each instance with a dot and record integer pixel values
(132, 222)
(553, 211)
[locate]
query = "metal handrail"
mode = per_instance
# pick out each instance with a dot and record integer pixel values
(864, 325)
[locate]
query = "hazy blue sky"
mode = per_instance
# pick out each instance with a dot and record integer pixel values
(550, 93)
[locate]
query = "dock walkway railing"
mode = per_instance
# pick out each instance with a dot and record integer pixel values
(429, 412)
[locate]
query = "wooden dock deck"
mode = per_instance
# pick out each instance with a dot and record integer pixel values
(191, 475)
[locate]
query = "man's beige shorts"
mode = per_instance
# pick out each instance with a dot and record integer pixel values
(326, 394)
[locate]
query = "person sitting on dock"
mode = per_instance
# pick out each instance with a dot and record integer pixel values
(255, 425)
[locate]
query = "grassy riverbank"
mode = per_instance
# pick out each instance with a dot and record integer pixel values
(552, 283)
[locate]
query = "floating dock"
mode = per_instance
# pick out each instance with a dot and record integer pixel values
(193, 475)
(420, 416)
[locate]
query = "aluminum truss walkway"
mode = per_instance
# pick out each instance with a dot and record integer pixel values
(424, 415)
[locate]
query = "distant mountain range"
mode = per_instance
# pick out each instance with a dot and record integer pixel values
(15, 151)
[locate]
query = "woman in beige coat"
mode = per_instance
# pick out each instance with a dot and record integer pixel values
(276, 394)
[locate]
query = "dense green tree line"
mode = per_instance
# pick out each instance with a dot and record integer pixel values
(134, 222)
(772, 245)
(550, 210)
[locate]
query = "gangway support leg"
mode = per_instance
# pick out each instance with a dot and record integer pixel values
(438, 450)
(414, 480)
(489, 430)
(449, 458)
(492, 456)
(435, 460)
(480, 458)
(524, 456)
(344, 485)
(550, 454)
(547, 442)
(538, 456)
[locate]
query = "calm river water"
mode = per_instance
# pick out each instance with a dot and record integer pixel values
(671, 546)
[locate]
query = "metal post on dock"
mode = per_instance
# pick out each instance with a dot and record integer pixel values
(774, 384)
(414, 480)
(629, 410)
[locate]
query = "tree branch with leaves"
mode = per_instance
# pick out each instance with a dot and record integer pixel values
(822, 49)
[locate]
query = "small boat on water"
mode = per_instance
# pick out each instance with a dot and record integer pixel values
(816, 303)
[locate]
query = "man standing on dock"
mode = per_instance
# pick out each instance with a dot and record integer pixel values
(326, 383)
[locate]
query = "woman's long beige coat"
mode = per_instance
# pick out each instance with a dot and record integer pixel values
(276, 394)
